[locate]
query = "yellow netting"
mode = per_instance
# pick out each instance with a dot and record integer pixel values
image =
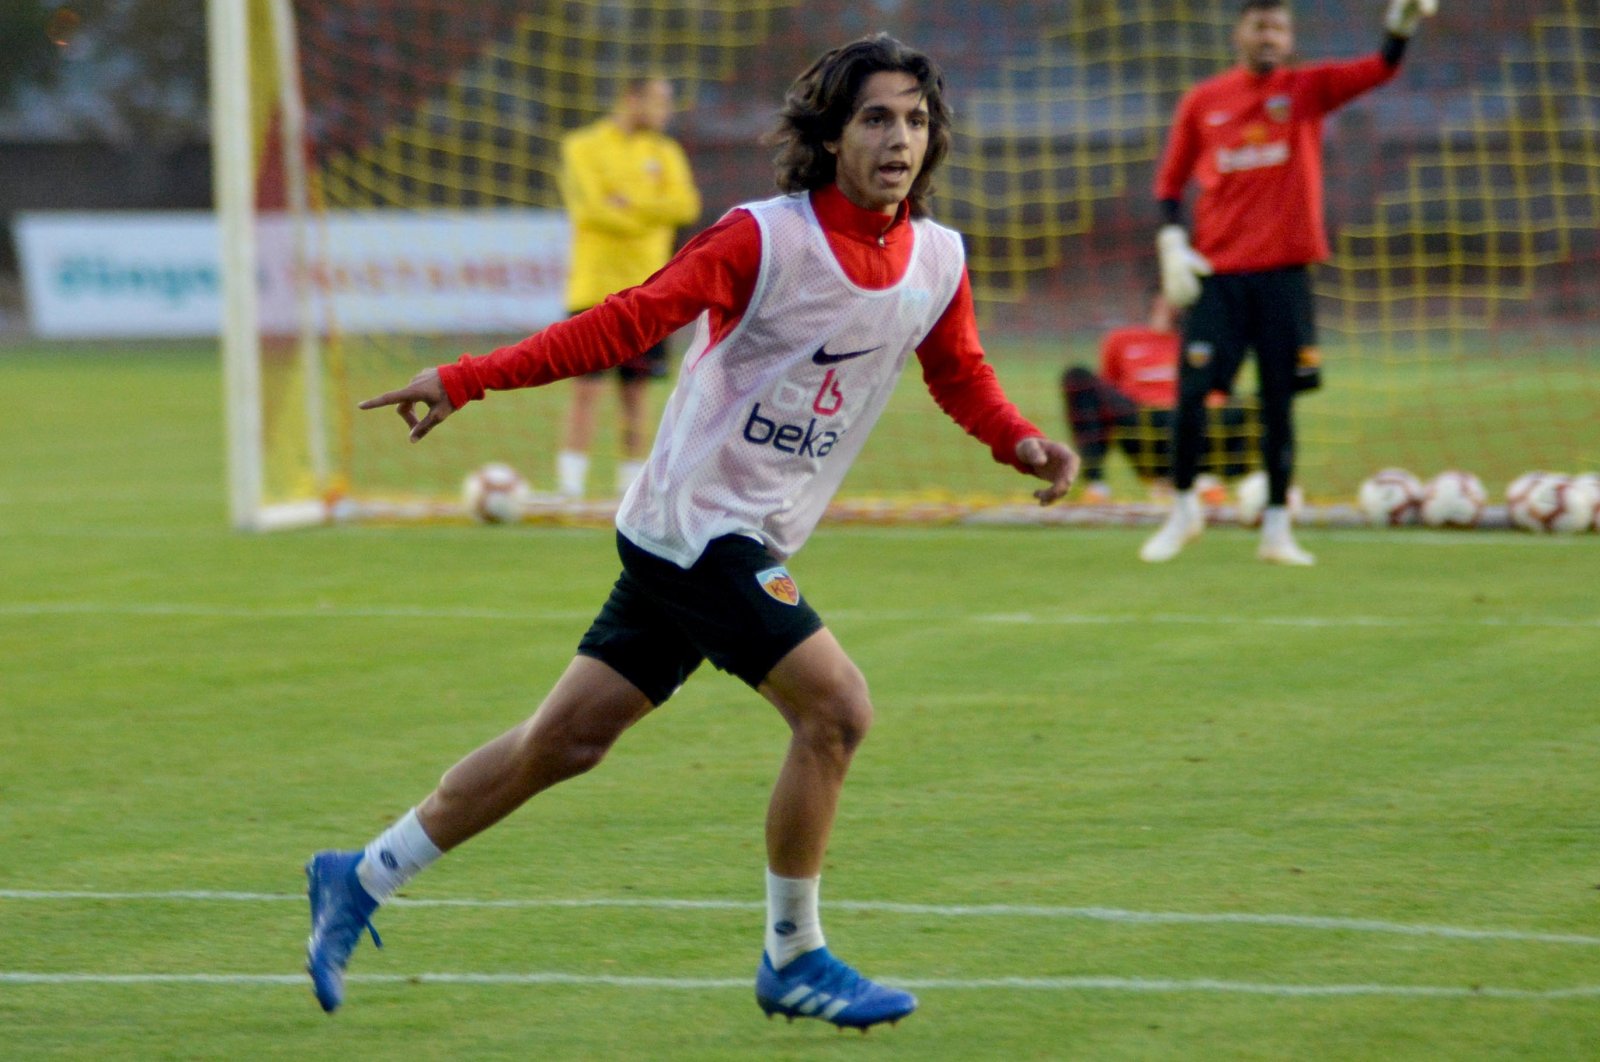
(1458, 313)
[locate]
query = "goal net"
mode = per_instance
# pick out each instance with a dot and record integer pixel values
(387, 192)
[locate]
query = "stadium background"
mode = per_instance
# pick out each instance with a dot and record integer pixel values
(1457, 313)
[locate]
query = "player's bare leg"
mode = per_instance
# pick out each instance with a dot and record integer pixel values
(589, 708)
(584, 714)
(572, 463)
(822, 695)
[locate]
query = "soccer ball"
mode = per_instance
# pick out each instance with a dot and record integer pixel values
(1580, 504)
(1453, 499)
(1250, 497)
(1585, 493)
(494, 494)
(1535, 499)
(1390, 497)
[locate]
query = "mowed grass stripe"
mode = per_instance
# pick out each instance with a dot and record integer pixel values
(998, 910)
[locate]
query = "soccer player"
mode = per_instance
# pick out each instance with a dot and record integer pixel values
(1252, 139)
(627, 188)
(1130, 401)
(808, 305)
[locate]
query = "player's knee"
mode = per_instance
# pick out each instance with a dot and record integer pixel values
(838, 720)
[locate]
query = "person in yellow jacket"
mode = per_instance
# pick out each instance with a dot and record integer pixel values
(627, 188)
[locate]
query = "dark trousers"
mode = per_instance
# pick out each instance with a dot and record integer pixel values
(1100, 416)
(1270, 313)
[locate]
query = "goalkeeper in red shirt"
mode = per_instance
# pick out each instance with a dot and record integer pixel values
(1251, 138)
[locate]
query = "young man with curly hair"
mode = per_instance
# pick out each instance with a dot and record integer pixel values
(808, 305)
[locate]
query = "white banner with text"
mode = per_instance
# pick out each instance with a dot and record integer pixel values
(158, 274)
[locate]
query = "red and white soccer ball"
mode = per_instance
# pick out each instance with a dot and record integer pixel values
(1580, 505)
(1453, 499)
(1531, 500)
(1250, 499)
(1551, 501)
(1390, 497)
(495, 494)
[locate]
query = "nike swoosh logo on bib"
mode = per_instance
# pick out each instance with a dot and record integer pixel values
(822, 357)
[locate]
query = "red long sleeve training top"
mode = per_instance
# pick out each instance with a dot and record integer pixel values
(716, 273)
(1254, 144)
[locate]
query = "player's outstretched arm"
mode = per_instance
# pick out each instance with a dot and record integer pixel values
(1055, 463)
(1404, 16)
(425, 387)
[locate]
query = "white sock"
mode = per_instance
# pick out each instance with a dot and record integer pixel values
(793, 925)
(572, 472)
(627, 472)
(1186, 503)
(395, 857)
(1275, 523)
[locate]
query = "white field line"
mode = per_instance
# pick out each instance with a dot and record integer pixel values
(34, 609)
(697, 984)
(1094, 914)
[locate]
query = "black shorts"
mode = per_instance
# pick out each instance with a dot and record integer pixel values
(737, 607)
(651, 365)
(1271, 312)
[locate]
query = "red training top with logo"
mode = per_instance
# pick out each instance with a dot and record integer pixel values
(1142, 363)
(735, 420)
(1254, 145)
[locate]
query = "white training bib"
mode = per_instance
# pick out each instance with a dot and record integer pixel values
(761, 428)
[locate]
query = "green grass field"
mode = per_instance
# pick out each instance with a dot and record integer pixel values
(1211, 810)
(1497, 406)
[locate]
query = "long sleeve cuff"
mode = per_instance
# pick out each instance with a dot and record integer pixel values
(460, 380)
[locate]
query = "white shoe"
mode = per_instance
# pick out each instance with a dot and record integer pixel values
(1285, 551)
(1179, 530)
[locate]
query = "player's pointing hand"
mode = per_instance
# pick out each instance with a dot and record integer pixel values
(1056, 463)
(425, 387)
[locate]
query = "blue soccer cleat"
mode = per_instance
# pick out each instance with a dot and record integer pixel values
(340, 910)
(817, 985)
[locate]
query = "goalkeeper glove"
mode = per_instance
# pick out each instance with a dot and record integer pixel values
(1181, 266)
(1405, 15)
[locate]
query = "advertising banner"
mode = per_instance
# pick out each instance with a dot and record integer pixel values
(157, 274)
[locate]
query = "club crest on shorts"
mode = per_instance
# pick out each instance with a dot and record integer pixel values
(1310, 359)
(1198, 355)
(779, 585)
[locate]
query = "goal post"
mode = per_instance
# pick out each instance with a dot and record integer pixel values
(255, 99)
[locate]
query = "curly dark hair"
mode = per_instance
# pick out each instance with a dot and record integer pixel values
(822, 101)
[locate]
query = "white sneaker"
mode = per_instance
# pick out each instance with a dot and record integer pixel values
(1180, 529)
(1285, 551)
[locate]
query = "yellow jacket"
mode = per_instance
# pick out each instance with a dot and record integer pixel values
(626, 195)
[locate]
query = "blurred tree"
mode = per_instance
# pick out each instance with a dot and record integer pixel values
(129, 71)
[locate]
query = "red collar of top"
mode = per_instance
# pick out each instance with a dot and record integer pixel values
(840, 217)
